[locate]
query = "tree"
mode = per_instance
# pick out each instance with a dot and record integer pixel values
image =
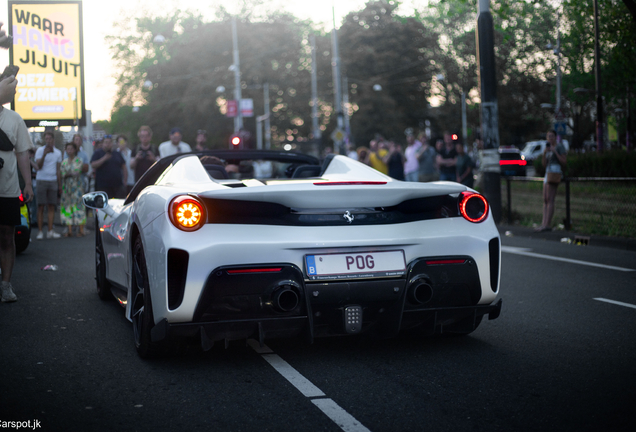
(379, 47)
(194, 59)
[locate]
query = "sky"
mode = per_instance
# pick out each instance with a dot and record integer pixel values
(99, 16)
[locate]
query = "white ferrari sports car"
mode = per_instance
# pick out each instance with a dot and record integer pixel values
(226, 245)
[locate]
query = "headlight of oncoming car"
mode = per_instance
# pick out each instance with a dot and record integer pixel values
(187, 213)
(473, 207)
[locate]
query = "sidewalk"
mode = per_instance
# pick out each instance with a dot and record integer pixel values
(557, 236)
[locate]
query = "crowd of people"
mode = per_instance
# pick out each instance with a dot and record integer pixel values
(418, 160)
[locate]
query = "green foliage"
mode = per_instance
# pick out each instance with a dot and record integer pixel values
(185, 71)
(105, 124)
(521, 32)
(377, 46)
(614, 163)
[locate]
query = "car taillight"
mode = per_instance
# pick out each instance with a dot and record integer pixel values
(187, 213)
(513, 162)
(473, 207)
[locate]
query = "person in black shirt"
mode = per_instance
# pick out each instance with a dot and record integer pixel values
(110, 169)
(447, 160)
(145, 154)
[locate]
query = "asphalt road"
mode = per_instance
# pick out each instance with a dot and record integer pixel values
(555, 360)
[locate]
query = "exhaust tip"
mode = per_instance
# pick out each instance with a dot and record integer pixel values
(285, 299)
(421, 292)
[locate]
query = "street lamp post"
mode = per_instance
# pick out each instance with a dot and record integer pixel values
(489, 156)
(558, 116)
(599, 94)
(238, 120)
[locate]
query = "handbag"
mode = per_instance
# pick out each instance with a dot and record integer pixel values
(554, 178)
(5, 142)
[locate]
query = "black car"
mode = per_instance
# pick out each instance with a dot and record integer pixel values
(512, 162)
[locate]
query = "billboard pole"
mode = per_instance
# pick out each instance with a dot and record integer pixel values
(489, 156)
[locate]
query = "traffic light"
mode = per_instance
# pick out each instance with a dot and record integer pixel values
(455, 137)
(236, 142)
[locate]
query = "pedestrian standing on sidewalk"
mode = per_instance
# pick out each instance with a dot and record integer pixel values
(72, 212)
(427, 161)
(447, 159)
(79, 143)
(48, 158)
(174, 145)
(396, 160)
(464, 166)
(554, 157)
(201, 139)
(15, 143)
(145, 154)
(412, 152)
(110, 170)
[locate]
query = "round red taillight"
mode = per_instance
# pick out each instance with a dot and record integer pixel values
(473, 207)
(187, 213)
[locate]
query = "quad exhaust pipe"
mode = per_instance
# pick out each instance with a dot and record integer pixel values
(420, 291)
(285, 298)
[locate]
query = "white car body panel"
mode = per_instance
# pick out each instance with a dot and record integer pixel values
(218, 245)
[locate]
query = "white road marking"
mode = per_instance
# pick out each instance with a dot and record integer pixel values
(616, 302)
(258, 348)
(526, 252)
(331, 409)
(293, 376)
(340, 417)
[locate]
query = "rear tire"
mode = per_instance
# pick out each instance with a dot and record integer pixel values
(103, 286)
(141, 307)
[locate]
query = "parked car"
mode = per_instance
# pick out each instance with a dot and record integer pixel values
(201, 251)
(512, 162)
(23, 231)
(534, 149)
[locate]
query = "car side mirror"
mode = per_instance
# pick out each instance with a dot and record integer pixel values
(95, 200)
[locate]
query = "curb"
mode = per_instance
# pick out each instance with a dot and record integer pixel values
(622, 243)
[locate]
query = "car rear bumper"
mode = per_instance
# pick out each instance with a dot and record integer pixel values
(238, 304)
(427, 321)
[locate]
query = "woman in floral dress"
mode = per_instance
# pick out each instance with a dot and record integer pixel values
(72, 212)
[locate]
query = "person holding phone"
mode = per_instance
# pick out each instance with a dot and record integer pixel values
(554, 158)
(111, 173)
(145, 154)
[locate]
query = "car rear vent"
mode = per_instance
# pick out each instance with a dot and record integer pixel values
(177, 273)
(493, 250)
(235, 185)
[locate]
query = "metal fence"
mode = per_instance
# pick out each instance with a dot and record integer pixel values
(587, 205)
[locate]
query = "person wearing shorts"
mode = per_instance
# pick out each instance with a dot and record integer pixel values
(48, 158)
(14, 152)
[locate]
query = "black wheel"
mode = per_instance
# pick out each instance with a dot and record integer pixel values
(103, 286)
(462, 327)
(141, 306)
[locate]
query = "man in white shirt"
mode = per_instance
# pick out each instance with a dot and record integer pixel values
(174, 145)
(48, 158)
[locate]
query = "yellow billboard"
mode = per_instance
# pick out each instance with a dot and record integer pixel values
(48, 48)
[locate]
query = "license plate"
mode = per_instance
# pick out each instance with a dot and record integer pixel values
(355, 265)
